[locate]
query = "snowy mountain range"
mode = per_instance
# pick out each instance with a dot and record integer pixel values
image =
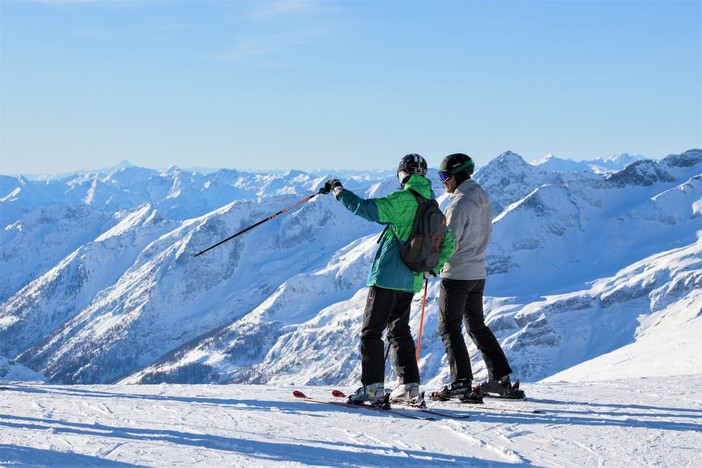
(100, 283)
(614, 163)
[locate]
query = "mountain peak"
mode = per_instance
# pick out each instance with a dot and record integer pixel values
(510, 156)
(543, 160)
(172, 170)
(509, 162)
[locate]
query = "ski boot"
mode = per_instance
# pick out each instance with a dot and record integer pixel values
(373, 394)
(460, 390)
(501, 388)
(408, 395)
(405, 393)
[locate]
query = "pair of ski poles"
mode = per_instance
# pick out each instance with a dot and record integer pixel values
(308, 198)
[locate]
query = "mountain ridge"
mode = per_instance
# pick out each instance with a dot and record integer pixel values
(248, 310)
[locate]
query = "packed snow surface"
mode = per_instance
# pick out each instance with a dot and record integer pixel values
(631, 422)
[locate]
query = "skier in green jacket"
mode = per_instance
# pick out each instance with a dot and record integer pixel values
(391, 283)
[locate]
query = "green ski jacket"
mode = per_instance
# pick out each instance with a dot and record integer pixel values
(396, 210)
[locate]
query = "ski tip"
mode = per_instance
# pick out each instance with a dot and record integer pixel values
(299, 394)
(338, 394)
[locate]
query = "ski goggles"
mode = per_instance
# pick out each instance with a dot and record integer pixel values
(444, 176)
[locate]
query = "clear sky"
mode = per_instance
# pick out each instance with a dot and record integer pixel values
(349, 84)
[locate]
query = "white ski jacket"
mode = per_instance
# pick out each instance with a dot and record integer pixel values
(469, 218)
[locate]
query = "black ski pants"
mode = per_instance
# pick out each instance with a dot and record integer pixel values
(386, 308)
(462, 300)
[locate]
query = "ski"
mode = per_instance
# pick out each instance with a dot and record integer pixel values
(508, 410)
(391, 411)
(489, 408)
(340, 394)
(514, 394)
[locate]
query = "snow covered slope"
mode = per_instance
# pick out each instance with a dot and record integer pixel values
(11, 371)
(580, 264)
(631, 422)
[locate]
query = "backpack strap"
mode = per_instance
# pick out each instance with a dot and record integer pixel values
(380, 237)
(420, 199)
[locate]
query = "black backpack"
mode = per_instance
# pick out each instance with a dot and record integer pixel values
(422, 250)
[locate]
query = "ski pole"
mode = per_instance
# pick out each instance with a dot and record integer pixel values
(421, 319)
(259, 223)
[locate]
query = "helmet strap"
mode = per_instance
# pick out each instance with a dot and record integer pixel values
(403, 176)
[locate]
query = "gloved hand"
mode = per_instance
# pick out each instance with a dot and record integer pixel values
(429, 275)
(332, 185)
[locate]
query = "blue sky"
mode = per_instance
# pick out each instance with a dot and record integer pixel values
(343, 84)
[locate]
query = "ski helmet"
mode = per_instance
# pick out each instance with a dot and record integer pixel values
(456, 164)
(411, 164)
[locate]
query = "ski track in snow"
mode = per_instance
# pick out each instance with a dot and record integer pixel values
(644, 422)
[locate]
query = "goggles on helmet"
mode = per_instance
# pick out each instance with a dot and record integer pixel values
(447, 174)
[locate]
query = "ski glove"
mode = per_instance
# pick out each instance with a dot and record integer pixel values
(332, 185)
(429, 275)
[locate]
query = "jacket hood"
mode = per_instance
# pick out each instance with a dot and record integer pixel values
(421, 185)
(466, 189)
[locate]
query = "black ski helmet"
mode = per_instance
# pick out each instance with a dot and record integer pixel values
(411, 164)
(456, 164)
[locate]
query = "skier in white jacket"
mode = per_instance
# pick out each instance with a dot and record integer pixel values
(469, 219)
